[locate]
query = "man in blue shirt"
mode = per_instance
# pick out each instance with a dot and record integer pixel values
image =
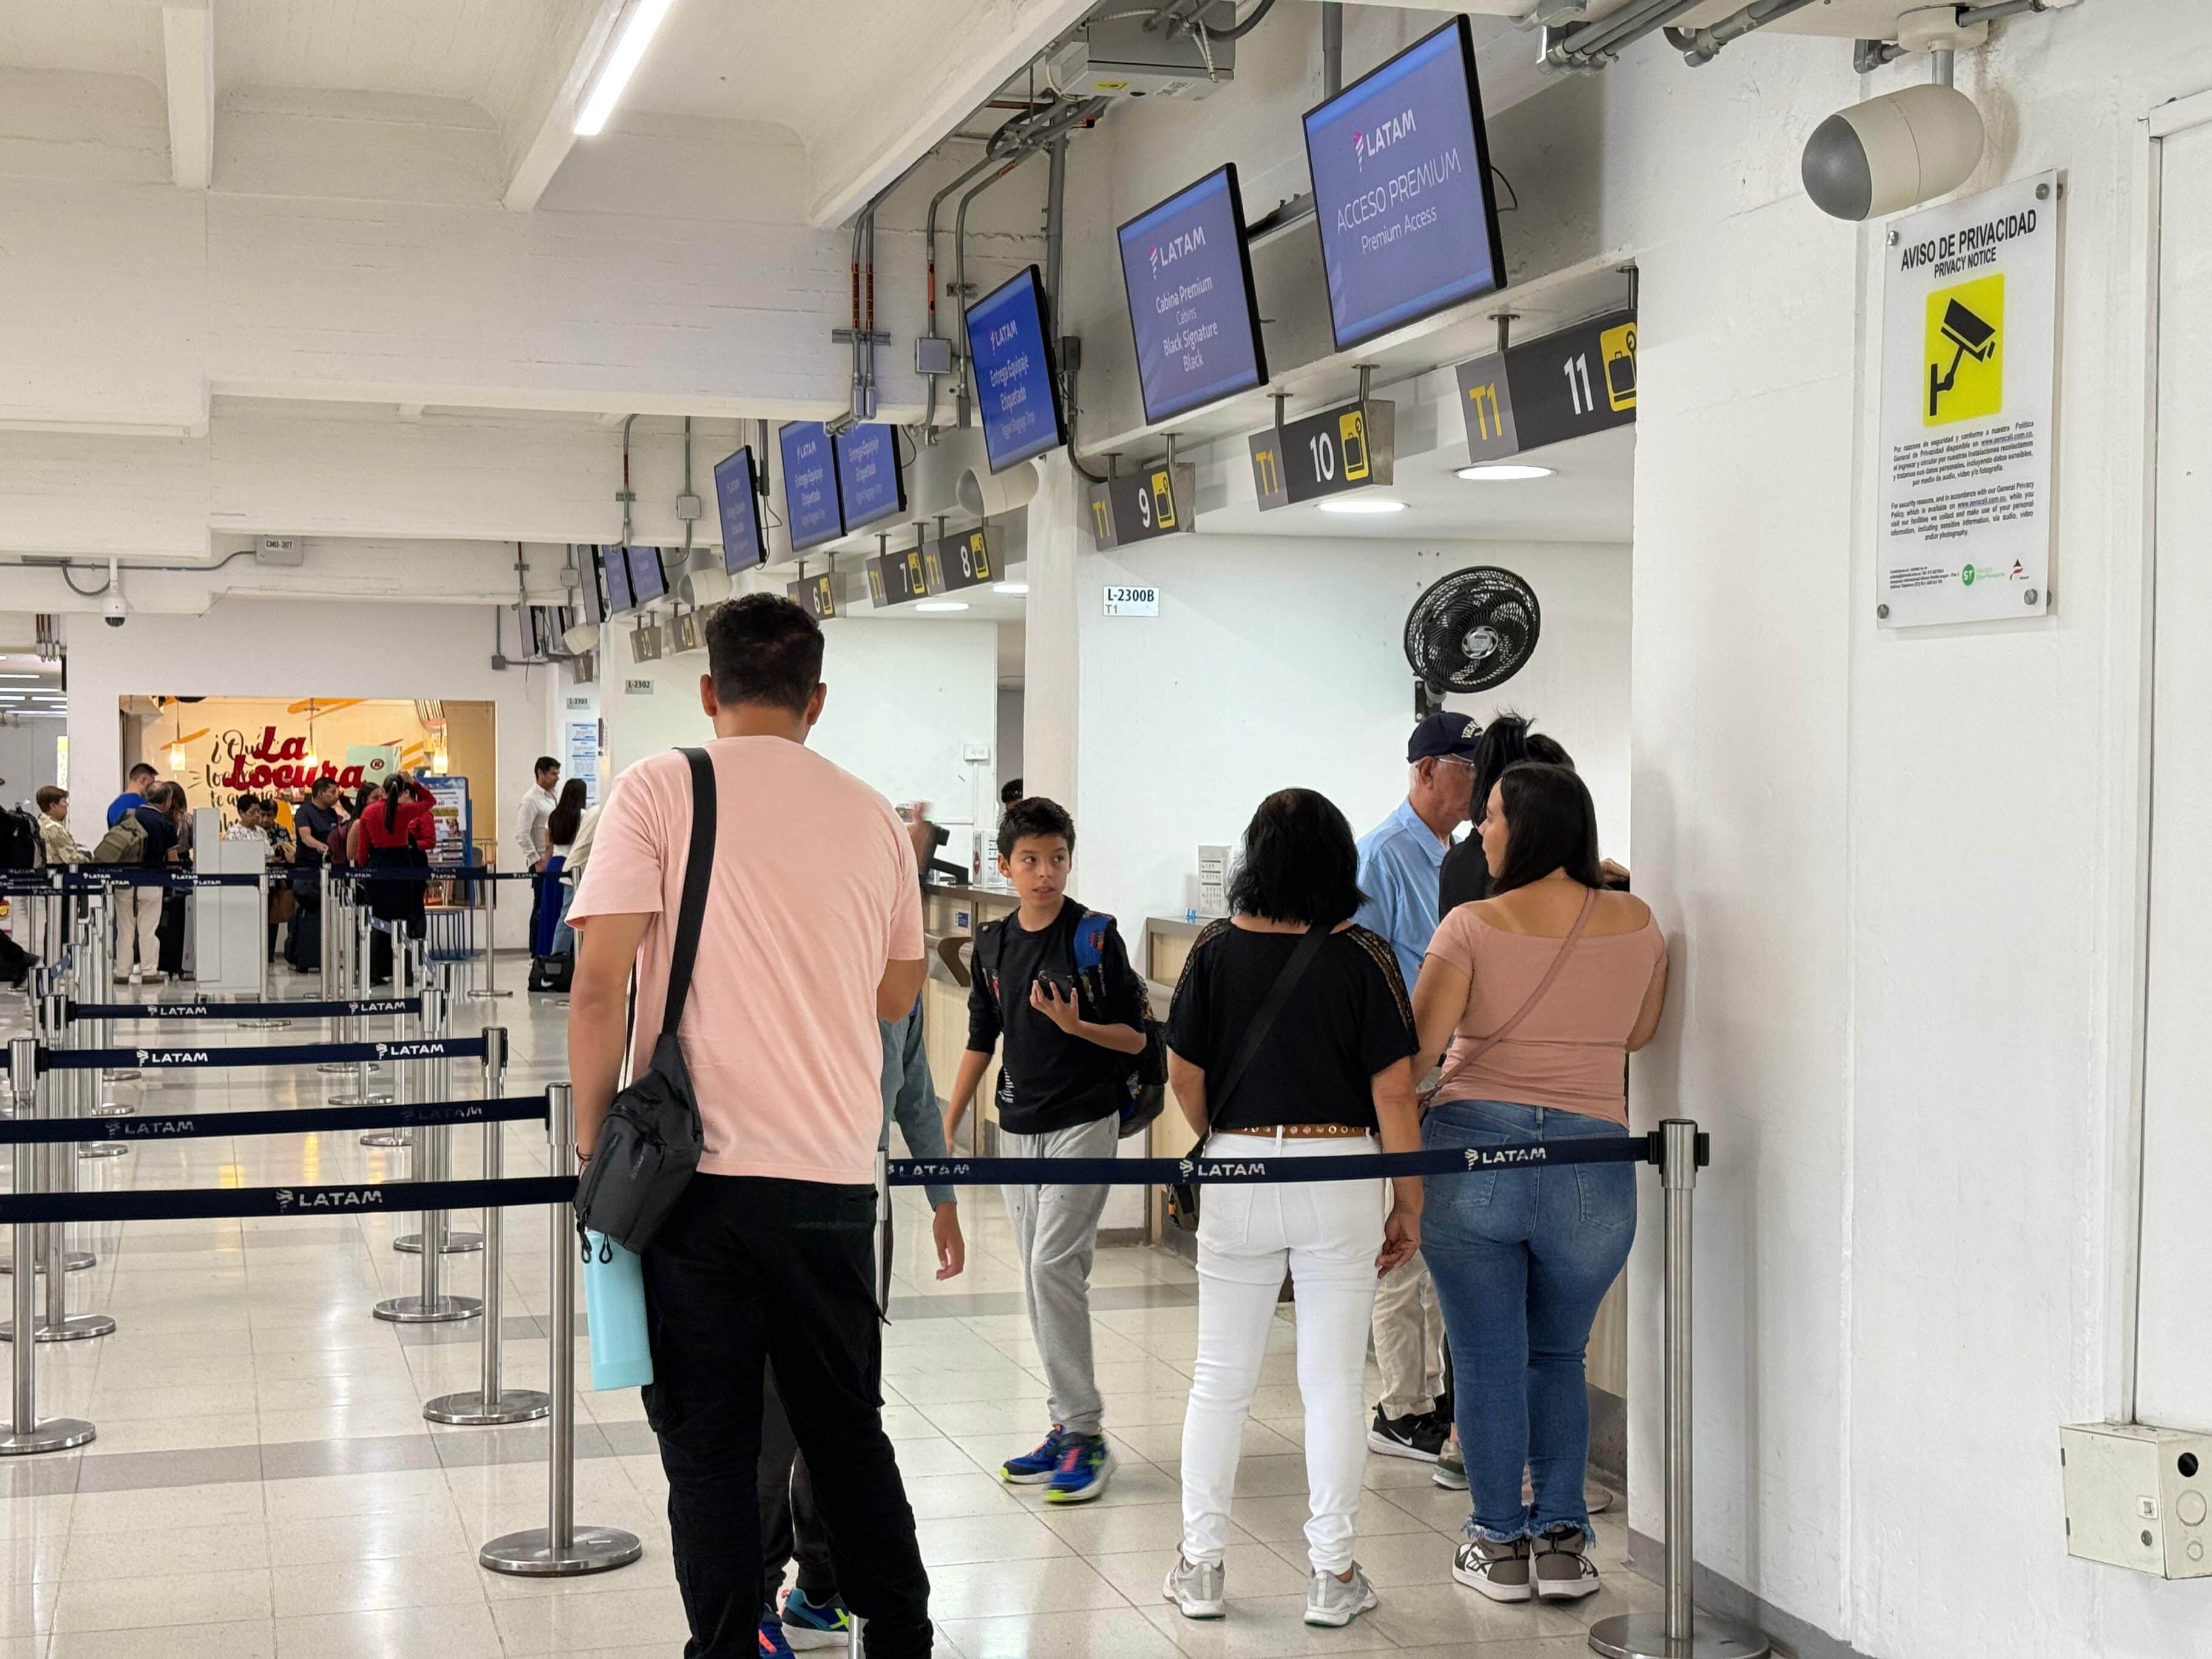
(1399, 862)
(135, 796)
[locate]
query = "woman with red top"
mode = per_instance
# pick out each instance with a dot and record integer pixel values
(396, 831)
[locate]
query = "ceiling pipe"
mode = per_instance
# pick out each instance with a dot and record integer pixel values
(1592, 46)
(1700, 46)
(965, 402)
(1331, 44)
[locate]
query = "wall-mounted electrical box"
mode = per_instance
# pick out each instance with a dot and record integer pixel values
(2139, 1496)
(1121, 58)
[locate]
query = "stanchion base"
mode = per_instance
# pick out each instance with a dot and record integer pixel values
(102, 1149)
(121, 1077)
(1644, 1636)
(413, 1310)
(335, 1068)
(532, 1555)
(383, 1138)
(113, 1108)
(76, 1262)
(471, 1410)
(457, 1243)
(78, 1328)
(361, 1100)
(261, 1025)
(54, 1434)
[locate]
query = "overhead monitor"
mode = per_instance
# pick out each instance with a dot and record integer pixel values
(1401, 169)
(588, 584)
(870, 480)
(617, 564)
(1189, 275)
(738, 500)
(1015, 373)
(647, 581)
(810, 484)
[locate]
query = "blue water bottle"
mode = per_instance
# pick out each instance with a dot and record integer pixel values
(614, 1303)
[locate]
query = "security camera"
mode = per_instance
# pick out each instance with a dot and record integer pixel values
(113, 611)
(1890, 152)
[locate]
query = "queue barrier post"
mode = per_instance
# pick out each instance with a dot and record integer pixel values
(1680, 1631)
(51, 1169)
(562, 1549)
(26, 1433)
(433, 1144)
(95, 968)
(46, 998)
(406, 982)
(429, 1305)
(83, 1093)
(364, 982)
(490, 989)
(337, 977)
(262, 1022)
(491, 1402)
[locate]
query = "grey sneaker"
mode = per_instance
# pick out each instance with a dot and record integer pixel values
(1196, 1591)
(1499, 1572)
(1331, 1600)
(1565, 1571)
(1450, 1472)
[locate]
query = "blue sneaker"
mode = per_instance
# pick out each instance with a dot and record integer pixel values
(1085, 1464)
(772, 1644)
(811, 1623)
(1034, 1468)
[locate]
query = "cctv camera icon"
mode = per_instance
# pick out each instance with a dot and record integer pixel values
(1972, 335)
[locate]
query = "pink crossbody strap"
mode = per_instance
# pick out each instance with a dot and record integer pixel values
(1559, 961)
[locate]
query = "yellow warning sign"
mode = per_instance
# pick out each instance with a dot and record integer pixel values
(1963, 350)
(1616, 350)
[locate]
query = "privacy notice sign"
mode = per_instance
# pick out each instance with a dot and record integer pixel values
(1970, 336)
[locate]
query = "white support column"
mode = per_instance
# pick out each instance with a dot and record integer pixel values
(188, 40)
(1051, 671)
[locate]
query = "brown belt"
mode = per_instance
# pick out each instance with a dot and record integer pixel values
(1306, 1132)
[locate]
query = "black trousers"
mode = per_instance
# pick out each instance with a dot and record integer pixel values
(791, 1521)
(749, 1271)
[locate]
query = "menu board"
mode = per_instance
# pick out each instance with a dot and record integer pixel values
(738, 502)
(1015, 373)
(810, 484)
(869, 482)
(1401, 169)
(1187, 272)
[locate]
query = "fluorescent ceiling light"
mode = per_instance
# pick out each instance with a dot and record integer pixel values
(1502, 471)
(21, 677)
(637, 34)
(1362, 504)
(1009, 587)
(942, 605)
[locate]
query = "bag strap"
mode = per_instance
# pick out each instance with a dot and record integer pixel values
(1559, 961)
(698, 872)
(1301, 958)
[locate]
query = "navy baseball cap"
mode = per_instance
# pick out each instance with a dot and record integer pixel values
(1444, 737)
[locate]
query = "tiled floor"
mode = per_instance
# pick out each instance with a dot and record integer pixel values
(264, 1483)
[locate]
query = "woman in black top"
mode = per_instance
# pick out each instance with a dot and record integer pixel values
(1330, 1070)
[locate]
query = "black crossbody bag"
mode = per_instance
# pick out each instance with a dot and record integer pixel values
(1183, 1196)
(650, 1145)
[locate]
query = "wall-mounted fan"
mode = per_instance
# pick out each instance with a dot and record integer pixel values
(1475, 628)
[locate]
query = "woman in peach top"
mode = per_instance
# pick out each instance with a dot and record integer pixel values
(1534, 996)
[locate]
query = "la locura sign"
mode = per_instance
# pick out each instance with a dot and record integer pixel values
(275, 763)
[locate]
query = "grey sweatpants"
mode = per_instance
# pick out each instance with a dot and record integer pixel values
(1055, 1234)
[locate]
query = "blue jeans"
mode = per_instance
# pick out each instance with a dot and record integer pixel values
(1521, 1258)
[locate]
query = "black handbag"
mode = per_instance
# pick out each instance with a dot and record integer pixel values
(649, 1147)
(1182, 1195)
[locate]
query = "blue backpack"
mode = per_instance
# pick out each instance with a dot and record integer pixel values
(1144, 1082)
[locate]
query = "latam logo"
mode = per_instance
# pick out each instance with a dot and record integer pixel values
(124, 1128)
(1381, 137)
(454, 1114)
(1002, 334)
(332, 1198)
(409, 1050)
(172, 1056)
(1177, 247)
(1479, 1159)
(175, 1010)
(382, 1005)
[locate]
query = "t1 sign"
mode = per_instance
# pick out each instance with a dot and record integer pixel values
(1579, 380)
(1156, 501)
(967, 560)
(816, 595)
(1345, 448)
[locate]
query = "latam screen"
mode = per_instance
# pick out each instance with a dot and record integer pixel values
(592, 595)
(648, 580)
(738, 502)
(1189, 275)
(616, 565)
(1017, 384)
(869, 482)
(1401, 168)
(810, 484)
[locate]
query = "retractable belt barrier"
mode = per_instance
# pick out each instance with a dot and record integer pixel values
(79, 878)
(203, 1203)
(435, 873)
(191, 1126)
(338, 1008)
(171, 1057)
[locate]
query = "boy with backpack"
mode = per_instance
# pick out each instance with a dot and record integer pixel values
(1054, 981)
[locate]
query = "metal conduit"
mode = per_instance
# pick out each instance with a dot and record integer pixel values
(1701, 46)
(960, 279)
(1586, 48)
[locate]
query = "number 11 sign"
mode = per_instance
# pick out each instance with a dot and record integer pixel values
(1579, 380)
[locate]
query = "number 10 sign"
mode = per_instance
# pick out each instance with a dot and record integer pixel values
(1347, 448)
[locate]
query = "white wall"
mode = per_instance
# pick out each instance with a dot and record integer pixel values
(1277, 662)
(1009, 734)
(265, 648)
(26, 757)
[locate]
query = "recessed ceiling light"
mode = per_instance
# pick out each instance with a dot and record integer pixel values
(1009, 587)
(1503, 470)
(1362, 504)
(622, 64)
(942, 605)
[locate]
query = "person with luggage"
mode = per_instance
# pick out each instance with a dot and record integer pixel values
(552, 945)
(314, 822)
(143, 838)
(1054, 981)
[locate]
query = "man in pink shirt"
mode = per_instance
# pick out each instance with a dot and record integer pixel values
(812, 933)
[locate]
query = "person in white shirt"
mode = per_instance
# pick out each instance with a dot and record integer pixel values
(529, 828)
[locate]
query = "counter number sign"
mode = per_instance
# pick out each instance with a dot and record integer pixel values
(967, 560)
(895, 578)
(1579, 380)
(1345, 448)
(816, 595)
(1142, 505)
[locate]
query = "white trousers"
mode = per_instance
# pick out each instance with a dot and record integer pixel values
(137, 915)
(1327, 1234)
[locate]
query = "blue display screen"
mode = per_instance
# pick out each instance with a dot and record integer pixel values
(1191, 304)
(647, 582)
(742, 546)
(810, 483)
(619, 597)
(594, 596)
(1012, 366)
(1401, 189)
(868, 476)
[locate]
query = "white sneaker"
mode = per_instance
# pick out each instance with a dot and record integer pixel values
(1196, 1591)
(153, 976)
(1334, 1601)
(1499, 1572)
(134, 977)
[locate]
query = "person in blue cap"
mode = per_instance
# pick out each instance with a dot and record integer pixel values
(1399, 861)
